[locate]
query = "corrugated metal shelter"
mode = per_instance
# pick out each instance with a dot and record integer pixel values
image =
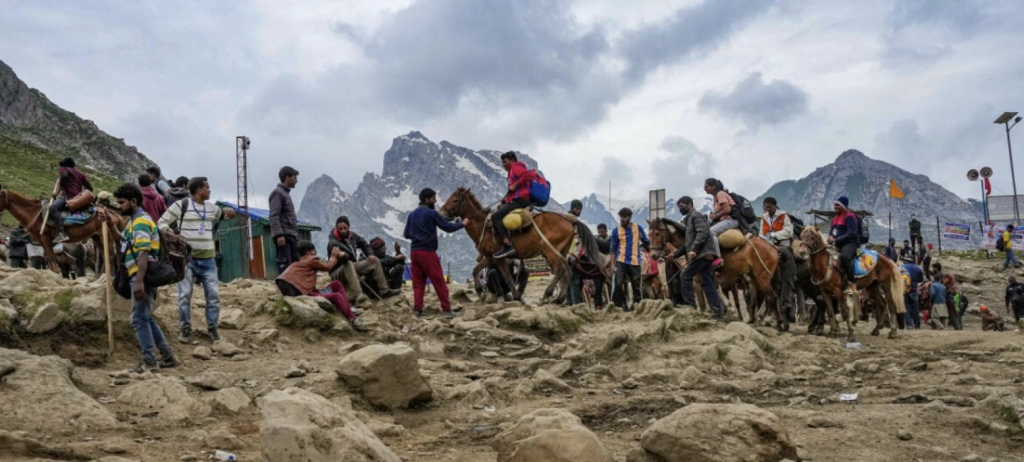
(231, 238)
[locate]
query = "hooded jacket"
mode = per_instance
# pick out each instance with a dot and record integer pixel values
(349, 246)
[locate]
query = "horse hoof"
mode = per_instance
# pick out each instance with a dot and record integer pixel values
(892, 334)
(874, 333)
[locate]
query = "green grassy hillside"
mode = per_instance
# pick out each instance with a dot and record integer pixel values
(32, 171)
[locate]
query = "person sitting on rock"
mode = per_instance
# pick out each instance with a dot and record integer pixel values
(496, 285)
(991, 321)
(349, 268)
(300, 279)
(394, 268)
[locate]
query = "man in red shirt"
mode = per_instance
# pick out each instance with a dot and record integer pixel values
(152, 202)
(518, 197)
(72, 183)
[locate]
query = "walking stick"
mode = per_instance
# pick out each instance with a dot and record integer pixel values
(110, 288)
(46, 216)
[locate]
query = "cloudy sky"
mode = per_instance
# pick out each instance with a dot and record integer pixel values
(640, 93)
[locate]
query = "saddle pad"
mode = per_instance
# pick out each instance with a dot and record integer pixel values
(865, 262)
(731, 239)
(80, 217)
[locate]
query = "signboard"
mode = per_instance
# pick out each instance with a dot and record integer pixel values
(1000, 208)
(957, 232)
(538, 267)
(656, 199)
(992, 233)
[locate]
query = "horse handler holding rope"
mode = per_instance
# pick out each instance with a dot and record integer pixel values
(699, 251)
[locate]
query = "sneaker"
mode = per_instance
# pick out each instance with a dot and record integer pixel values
(717, 263)
(214, 335)
(505, 251)
(143, 368)
(357, 311)
(449, 314)
(391, 293)
(417, 313)
(358, 324)
(360, 299)
(168, 363)
(60, 237)
(185, 337)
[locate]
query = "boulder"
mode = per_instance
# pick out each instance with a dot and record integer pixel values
(225, 348)
(474, 393)
(740, 433)
(749, 333)
(211, 380)
(550, 435)
(167, 396)
(89, 309)
(202, 352)
(545, 321)
(265, 336)
(303, 312)
(223, 440)
(47, 318)
(299, 425)
(7, 309)
(386, 375)
(744, 354)
(232, 318)
(230, 400)
(38, 395)
(1004, 405)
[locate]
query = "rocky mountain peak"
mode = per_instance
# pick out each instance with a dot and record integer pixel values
(27, 115)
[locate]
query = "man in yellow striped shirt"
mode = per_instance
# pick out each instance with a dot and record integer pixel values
(141, 245)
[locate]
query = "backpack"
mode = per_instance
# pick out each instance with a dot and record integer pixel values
(862, 228)
(1001, 244)
(540, 189)
(798, 226)
(743, 211)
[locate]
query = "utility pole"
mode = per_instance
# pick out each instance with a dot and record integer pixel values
(1005, 120)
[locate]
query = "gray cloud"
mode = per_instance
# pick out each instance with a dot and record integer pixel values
(615, 170)
(754, 103)
(683, 168)
(918, 31)
(691, 30)
(519, 70)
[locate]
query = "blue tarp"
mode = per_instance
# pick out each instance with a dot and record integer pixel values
(262, 214)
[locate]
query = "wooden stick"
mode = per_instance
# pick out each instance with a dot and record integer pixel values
(110, 287)
(46, 216)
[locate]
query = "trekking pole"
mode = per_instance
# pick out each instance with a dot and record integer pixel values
(46, 216)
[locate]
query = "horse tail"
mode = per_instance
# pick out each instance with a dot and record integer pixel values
(896, 287)
(589, 243)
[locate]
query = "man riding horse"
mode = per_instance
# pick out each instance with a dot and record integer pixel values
(517, 197)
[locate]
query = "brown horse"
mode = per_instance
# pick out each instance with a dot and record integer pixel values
(29, 213)
(549, 236)
(883, 283)
(755, 262)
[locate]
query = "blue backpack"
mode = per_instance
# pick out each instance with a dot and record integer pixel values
(540, 189)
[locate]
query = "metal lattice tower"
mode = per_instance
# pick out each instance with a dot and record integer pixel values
(242, 166)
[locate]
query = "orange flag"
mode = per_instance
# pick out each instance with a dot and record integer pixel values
(894, 191)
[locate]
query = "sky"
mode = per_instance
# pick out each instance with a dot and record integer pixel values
(641, 94)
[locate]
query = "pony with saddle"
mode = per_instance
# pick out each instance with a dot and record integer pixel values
(874, 273)
(750, 260)
(81, 227)
(547, 234)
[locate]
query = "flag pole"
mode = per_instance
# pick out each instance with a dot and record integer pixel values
(890, 211)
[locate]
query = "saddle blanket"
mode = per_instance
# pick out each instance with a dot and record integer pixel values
(865, 262)
(80, 217)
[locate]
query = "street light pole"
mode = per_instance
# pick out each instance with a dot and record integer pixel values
(1005, 120)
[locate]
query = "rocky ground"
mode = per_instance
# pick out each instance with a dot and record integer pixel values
(502, 382)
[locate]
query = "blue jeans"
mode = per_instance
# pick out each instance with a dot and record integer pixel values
(205, 270)
(912, 317)
(701, 268)
(146, 328)
(1010, 258)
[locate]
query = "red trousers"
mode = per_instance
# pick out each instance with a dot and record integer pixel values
(335, 293)
(426, 264)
